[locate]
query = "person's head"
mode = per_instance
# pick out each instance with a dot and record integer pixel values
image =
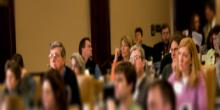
(12, 102)
(125, 80)
(126, 44)
(195, 22)
(210, 10)
(165, 33)
(211, 40)
(13, 75)
(85, 47)
(18, 58)
(161, 96)
(57, 55)
(77, 63)
(54, 95)
(138, 35)
(137, 58)
(188, 61)
(175, 40)
(216, 41)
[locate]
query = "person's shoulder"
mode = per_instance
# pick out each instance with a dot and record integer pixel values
(68, 73)
(91, 62)
(159, 44)
(201, 77)
(146, 47)
(68, 70)
(172, 77)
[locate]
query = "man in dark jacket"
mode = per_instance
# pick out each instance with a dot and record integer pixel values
(57, 61)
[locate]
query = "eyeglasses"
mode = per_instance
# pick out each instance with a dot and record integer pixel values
(173, 50)
(132, 59)
(54, 55)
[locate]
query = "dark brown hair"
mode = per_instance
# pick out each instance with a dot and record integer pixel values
(128, 70)
(58, 88)
(14, 67)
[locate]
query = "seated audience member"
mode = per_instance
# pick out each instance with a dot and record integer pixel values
(168, 69)
(216, 60)
(57, 58)
(143, 77)
(85, 50)
(212, 48)
(85, 81)
(188, 79)
(139, 41)
(195, 29)
(12, 102)
(161, 96)
(19, 59)
(210, 15)
(122, 53)
(14, 84)
(212, 32)
(161, 48)
(13, 78)
(54, 94)
(125, 80)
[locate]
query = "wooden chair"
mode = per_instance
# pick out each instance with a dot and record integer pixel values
(210, 78)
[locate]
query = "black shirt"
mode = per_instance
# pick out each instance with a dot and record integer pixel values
(71, 81)
(147, 51)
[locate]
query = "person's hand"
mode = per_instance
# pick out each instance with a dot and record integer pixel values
(117, 53)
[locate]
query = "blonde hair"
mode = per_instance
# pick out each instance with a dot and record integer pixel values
(195, 66)
(80, 63)
(127, 40)
(138, 48)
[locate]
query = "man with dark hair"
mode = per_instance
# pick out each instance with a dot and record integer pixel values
(138, 41)
(162, 48)
(125, 81)
(161, 96)
(85, 50)
(210, 14)
(57, 61)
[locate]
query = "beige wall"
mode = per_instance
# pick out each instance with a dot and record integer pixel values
(126, 15)
(38, 22)
(218, 10)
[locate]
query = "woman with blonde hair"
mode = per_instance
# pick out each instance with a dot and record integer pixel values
(86, 82)
(188, 79)
(122, 53)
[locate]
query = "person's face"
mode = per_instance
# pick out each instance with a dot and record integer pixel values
(122, 88)
(138, 38)
(215, 41)
(184, 58)
(137, 61)
(166, 35)
(87, 50)
(155, 101)
(209, 14)
(56, 60)
(174, 50)
(74, 66)
(196, 21)
(125, 50)
(11, 81)
(48, 98)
